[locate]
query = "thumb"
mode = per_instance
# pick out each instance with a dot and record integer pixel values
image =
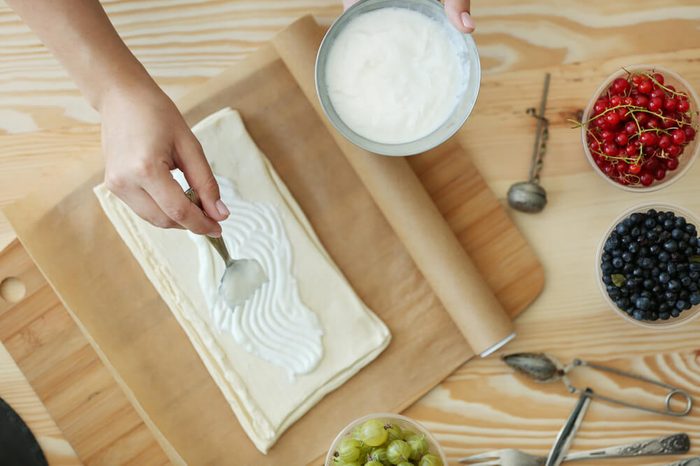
(458, 12)
(194, 165)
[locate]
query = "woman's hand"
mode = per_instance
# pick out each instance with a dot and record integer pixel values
(457, 11)
(144, 137)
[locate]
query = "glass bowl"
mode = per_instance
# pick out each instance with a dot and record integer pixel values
(689, 153)
(687, 315)
(402, 421)
(468, 53)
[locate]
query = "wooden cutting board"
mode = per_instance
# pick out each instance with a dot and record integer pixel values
(70, 239)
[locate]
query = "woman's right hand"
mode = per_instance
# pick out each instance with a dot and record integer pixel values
(144, 137)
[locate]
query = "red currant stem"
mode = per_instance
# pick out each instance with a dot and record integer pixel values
(680, 94)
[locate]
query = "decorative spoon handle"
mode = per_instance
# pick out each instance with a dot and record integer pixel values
(688, 462)
(670, 445)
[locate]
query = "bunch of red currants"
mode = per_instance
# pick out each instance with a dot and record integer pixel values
(639, 128)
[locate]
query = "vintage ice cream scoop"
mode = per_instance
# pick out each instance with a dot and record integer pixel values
(242, 277)
(544, 368)
(529, 196)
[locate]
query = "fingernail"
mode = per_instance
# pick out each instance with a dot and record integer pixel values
(214, 234)
(221, 207)
(468, 22)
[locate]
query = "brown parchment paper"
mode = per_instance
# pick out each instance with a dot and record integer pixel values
(72, 242)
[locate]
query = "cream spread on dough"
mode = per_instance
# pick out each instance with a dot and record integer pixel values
(273, 323)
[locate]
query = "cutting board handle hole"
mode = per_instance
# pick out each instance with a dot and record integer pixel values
(12, 289)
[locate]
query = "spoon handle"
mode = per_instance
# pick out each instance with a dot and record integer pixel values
(670, 445)
(217, 243)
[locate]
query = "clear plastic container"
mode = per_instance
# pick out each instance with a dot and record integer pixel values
(685, 316)
(689, 153)
(402, 421)
(465, 46)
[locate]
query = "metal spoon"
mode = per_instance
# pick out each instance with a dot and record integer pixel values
(529, 196)
(242, 277)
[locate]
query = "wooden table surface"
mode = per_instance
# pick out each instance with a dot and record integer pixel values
(45, 126)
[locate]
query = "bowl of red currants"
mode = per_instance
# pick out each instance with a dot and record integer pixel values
(639, 130)
(648, 265)
(383, 438)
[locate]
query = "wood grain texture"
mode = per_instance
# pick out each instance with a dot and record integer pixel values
(482, 405)
(81, 395)
(184, 42)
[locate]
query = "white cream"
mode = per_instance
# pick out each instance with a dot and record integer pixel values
(274, 324)
(394, 75)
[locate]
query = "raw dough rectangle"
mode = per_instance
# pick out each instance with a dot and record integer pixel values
(264, 399)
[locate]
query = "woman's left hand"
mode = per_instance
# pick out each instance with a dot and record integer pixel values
(457, 11)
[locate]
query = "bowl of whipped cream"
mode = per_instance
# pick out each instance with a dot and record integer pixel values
(395, 77)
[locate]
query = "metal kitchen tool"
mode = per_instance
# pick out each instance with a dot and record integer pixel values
(544, 368)
(675, 444)
(242, 277)
(687, 462)
(529, 196)
(568, 432)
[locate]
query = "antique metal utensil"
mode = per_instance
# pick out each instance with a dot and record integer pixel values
(675, 444)
(568, 432)
(530, 196)
(242, 277)
(544, 368)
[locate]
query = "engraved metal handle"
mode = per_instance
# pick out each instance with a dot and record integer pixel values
(671, 445)
(217, 243)
(688, 462)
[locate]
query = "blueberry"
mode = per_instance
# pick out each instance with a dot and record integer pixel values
(680, 222)
(638, 272)
(657, 290)
(671, 268)
(690, 229)
(664, 315)
(671, 245)
(647, 263)
(664, 277)
(633, 248)
(695, 266)
(617, 263)
(695, 299)
(673, 285)
(649, 222)
(643, 303)
(621, 229)
(664, 256)
(616, 252)
(668, 224)
(680, 305)
(635, 218)
(653, 315)
(677, 234)
(638, 314)
(627, 257)
(693, 241)
(686, 281)
(628, 268)
(635, 232)
(654, 249)
(643, 252)
(648, 284)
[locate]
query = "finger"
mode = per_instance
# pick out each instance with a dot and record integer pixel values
(459, 13)
(168, 194)
(348, 3)
(145, 207)
(194, 165)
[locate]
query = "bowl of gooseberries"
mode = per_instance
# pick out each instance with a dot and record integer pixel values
(639, 130)
(385, 440)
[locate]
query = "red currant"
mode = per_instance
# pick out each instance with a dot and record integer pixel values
(673, 151)
(655, 104)
(627, 100)
(611, 149)
(665, 141)
(659, 78)
(612, 119)
(619, 86)
(630, 127)
(632, 149)
(671, 105)
(641, 101)
(621, 139)
(689, 133)
(657, 93)
(634, 169)
(646, 179)
(599, 106)
(678, 136)
(648, 139)
(636, 79)
(672, 164)
(645, 86)
(659, 174)
(683, 105)
(607, 135)
(594, 146)
(615, 100)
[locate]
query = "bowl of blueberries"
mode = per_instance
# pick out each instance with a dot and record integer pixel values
(648, 265)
